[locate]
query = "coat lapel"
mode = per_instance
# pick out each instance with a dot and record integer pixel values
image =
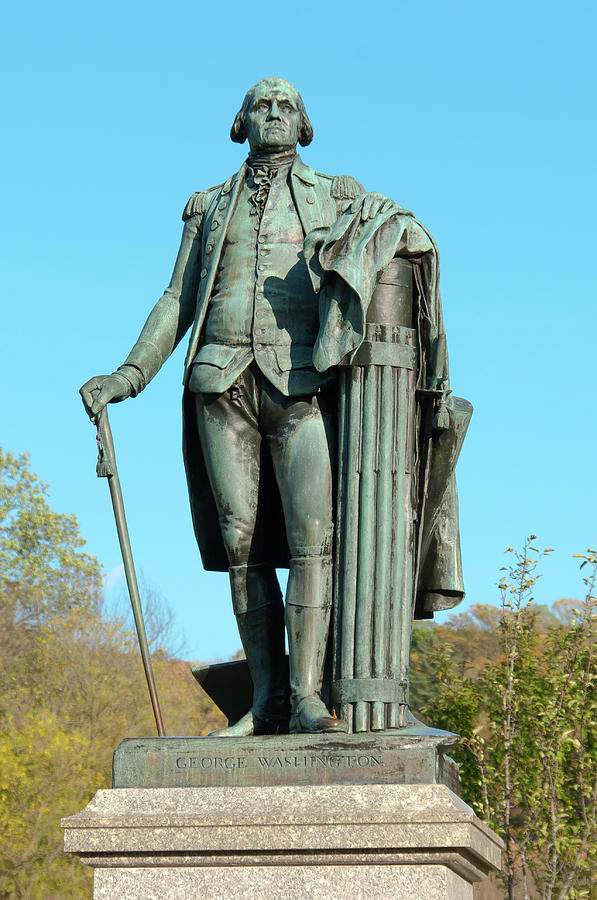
(215, 226)
(311, 197)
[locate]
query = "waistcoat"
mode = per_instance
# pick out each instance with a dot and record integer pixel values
(263, 306)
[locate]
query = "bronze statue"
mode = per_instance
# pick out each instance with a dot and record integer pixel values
(318, 427)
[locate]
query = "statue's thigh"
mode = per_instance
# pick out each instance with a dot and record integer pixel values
(233, 452)
(300, 450)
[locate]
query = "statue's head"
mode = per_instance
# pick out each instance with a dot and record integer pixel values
(272, 117)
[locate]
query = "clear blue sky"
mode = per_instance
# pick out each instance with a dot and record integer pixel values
(478, 117)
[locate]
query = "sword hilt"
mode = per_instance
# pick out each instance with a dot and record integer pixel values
(105, 461)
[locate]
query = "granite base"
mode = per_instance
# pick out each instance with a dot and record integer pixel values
(290, 841)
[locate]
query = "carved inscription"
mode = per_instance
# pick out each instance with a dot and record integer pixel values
(318, 762)
(211, 762)
(302, 761)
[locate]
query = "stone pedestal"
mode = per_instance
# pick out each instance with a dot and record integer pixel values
(283, 841)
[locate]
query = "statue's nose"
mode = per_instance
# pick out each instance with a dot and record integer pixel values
(274, 110)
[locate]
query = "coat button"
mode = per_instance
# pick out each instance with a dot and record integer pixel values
(223, 205)
(203, 273)
(310, 199)
(209, 247)
(215, 224)
(259, 346)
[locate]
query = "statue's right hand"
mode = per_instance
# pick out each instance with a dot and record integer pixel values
(103, 389)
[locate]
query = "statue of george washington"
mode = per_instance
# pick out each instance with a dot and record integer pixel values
(318, 428)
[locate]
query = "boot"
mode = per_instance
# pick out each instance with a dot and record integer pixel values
(308, 607)
(257, 603)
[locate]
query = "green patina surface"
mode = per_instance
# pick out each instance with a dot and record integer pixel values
(319, 433)
(403, 758)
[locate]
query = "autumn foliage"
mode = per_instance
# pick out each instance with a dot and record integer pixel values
(71, 688)
(519, 684)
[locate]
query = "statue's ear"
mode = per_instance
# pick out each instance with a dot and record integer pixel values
(238, 132)
(305, 131)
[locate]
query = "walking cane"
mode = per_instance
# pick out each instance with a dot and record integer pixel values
(106, 468)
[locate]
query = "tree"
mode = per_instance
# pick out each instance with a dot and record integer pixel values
(43, 568)
(71, 687)
(529, 736)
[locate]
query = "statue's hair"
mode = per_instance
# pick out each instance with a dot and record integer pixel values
(238, 132)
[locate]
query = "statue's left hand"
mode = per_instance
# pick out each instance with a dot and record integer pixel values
(372, 204)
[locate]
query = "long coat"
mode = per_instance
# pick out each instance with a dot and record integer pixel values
(356, 255)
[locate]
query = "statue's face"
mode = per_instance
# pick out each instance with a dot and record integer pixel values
(273, 120)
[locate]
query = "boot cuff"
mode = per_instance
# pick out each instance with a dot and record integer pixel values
(310, 582)
(254, 586)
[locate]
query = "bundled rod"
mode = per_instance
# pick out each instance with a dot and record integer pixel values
(376, 537)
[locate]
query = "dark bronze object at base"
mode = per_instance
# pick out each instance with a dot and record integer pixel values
(414, 756)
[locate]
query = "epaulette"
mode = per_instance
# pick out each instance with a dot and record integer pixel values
(345, 187)
(197, 203)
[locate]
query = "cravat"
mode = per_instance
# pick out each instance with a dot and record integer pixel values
(260, 182)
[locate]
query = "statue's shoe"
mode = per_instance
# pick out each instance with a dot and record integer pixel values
(253, 724)
(311, 716)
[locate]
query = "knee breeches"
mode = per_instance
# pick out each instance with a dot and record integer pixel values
(252, 434)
